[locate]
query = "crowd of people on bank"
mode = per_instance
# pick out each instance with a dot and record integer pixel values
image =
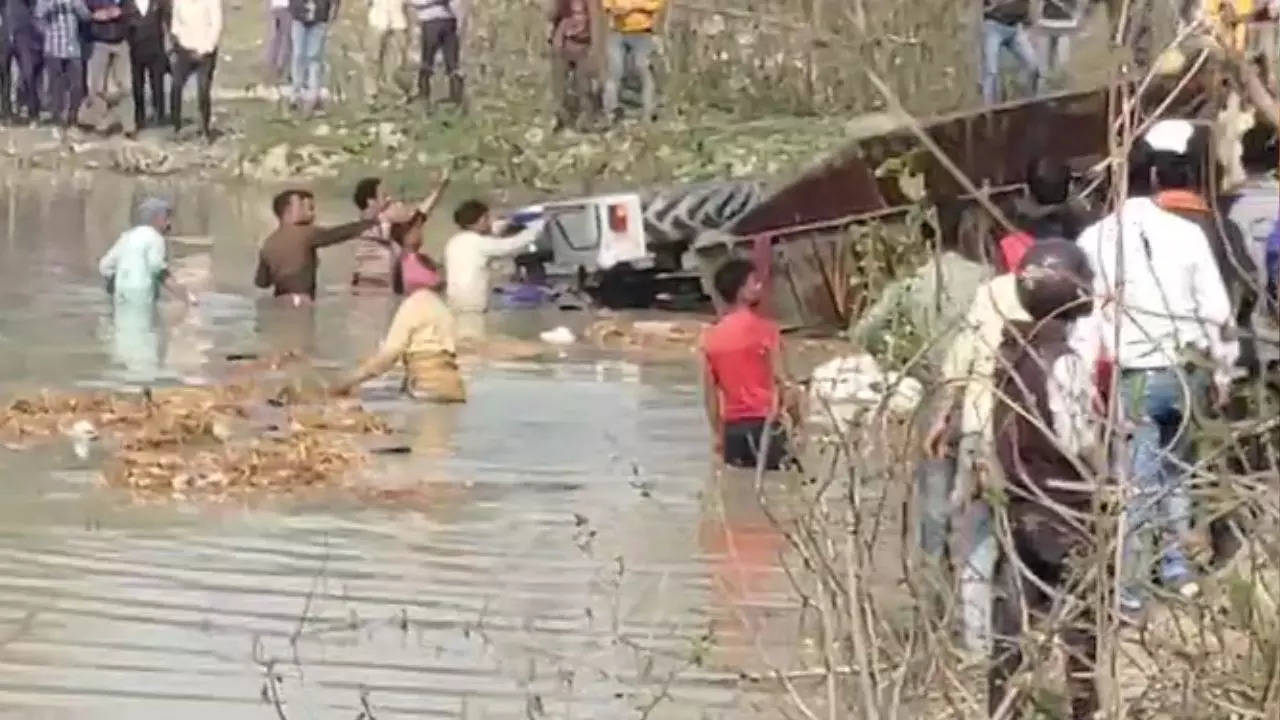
(1038, 34)
(90, 62)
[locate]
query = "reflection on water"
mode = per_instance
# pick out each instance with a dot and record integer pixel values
(551, 548)
(135, 341)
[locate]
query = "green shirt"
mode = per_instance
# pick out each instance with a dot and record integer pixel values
(928, 304)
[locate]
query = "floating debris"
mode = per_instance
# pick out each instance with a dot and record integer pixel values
(209, 442)
(559, 336)
(649, 335)
(845, 387)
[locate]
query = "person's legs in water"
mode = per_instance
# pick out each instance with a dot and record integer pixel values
(748, 442)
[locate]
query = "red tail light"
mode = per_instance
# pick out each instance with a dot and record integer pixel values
(618, 218)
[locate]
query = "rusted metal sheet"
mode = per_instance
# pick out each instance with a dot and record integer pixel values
(991, 146)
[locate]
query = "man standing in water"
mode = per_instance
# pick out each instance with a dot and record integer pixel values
(288, 260)
(422, 337)
(135, 267)
(742, 361)
(466, 262)
(376, 253)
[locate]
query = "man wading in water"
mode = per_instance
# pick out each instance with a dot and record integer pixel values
(377, 253)
(288, 260)
(422, 337)
(468, 278)
(742, 355)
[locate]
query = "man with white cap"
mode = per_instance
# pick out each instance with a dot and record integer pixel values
(1161, 294)
(135, 267)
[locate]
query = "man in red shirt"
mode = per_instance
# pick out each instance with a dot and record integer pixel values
(742, 359)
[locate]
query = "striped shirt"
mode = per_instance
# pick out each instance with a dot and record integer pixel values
(59, 22)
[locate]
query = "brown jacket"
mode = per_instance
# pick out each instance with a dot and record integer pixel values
(1032, 460)
(288, 258)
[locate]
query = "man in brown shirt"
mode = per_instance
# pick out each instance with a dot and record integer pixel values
(288, 260)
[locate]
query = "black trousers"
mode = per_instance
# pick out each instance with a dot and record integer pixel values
(440, 37)
(66, 88)
(6, 76)
(30, 72)
(1048, 548)
(148, 69)
(745, 439)
(185, 64)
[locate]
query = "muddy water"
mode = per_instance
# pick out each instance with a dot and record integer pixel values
(567, 551)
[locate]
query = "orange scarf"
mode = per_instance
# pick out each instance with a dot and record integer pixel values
(1181, 200)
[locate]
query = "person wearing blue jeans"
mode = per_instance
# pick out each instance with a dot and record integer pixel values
(1171, 337)
(310, 28)
(1159, 403)
(1004, 26)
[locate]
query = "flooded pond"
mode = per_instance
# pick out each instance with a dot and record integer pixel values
(570, 552)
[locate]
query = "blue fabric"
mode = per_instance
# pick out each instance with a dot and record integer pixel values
(308, 60)
(1158, 512)
(997, 36)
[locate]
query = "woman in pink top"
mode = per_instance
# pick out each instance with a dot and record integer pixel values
(414, 269)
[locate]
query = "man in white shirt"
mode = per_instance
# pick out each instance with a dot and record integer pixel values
(466, 261)
(1173, 321)
(197, 28)
(135, 267)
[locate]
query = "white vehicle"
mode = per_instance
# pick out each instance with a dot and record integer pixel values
(626, 250)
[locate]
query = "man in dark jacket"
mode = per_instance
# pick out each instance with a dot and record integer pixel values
(108, 64)
(26, 45)
(148, 58)
(1005, 25)
(1048, 450)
